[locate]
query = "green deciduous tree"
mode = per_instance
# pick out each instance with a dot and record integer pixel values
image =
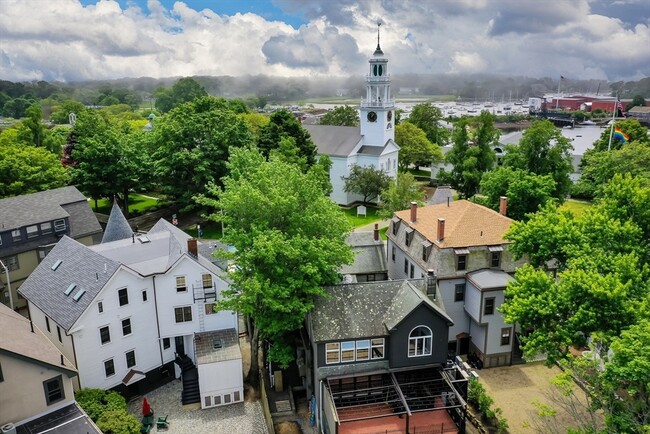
(109, 160)
(601, 295)
(290, 242)
(61, 113)
(415, 148)
(191, 145)
(365, 181)
(284, 124)
(543, 150)
(598, 167)
(27, 169)
(472, 153)
(526, 192)
(343, 116)
(427, 117)
(184, 90)
(631, 127)
(400, 193)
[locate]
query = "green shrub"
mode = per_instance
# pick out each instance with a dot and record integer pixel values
(92, 401)
(118, 422)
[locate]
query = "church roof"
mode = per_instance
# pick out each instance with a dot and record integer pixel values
(333, 140)
(118, 227)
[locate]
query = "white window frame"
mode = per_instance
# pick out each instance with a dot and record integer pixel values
(374, 345)
(362, 345)
(16, 235)
(113, 363)
(119, 298)
(205, 277)
(130, 327)
(183, 287)
(209, 310)
(108, 327)
(351, 348)
(183, 312)
(126, 359)
(100, 306)
(46, 228)
(11, 262)
(420, 343)
(333, 350)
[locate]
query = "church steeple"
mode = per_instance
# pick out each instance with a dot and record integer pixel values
(378, 51)
(377, 108)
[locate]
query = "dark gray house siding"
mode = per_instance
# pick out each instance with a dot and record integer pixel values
(398, 348)
(320, 353)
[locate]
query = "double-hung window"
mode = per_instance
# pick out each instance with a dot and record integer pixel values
(54, 391)
(105, 335)
(459, 292)
(126, 327)
(332, 353)
(130, 359)
(123, 295)
(181, 284)
(488, 309)
(183, 314)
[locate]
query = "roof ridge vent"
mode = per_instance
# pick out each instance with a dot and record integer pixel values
(78, 295)
(70, 289)
(57, 264)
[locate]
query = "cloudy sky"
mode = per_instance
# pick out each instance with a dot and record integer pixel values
(73, 40)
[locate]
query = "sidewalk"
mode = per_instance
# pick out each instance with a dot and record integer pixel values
(371, 226)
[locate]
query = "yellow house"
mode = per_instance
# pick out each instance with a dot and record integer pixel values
(30, 226)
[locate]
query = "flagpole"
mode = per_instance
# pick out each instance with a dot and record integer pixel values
(611, 129)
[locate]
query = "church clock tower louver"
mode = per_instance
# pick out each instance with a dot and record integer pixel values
(378, 108)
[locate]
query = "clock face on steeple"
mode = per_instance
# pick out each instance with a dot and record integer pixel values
(372, 117)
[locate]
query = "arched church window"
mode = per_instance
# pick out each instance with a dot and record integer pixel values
(381, 69)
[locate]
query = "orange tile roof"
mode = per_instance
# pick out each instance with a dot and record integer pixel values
(466, 224)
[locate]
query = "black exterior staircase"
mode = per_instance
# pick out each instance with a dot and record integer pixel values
(190, 375)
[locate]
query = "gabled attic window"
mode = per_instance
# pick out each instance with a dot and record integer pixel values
(78, 295)
(70, 289)
(56, 264)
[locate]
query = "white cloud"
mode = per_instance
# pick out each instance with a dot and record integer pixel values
(63, 40)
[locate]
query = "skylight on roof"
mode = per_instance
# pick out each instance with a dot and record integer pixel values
(144, 239)
(70, 288)
(56, 264)
(78, 295)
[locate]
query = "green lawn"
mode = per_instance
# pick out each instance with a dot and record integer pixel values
(359, 221)
(418, 172)
(577, 207)
(210, 231)
(137, 203)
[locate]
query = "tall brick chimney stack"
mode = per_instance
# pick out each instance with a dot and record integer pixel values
(503, 205)
(414, 212)
(193, 247)
(441, 228)
(376, 232)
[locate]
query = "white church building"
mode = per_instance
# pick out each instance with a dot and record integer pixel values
(370, 144)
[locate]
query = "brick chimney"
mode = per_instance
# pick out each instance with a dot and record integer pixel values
(441, 228)
(376, 232)
(503, 205)
(193, 247)
(414, 212)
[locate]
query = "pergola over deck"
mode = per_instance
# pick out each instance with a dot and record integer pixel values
(397, 401)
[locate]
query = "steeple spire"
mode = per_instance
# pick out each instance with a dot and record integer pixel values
(378, 49)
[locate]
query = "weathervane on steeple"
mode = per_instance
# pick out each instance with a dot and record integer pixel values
(378, 50)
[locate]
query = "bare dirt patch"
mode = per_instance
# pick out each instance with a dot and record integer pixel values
(514, 388)
(287, 428)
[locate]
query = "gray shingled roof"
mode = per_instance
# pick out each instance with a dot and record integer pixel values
(19, 211)
(369, 254)
(81, 266)
(441, 195)
(334, 140)
(365, 309)
(372, 150)
(118, 227)
(145, 254)
(82, 219)
(489, 279)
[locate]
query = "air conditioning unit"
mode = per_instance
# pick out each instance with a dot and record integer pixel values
(8, 428)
